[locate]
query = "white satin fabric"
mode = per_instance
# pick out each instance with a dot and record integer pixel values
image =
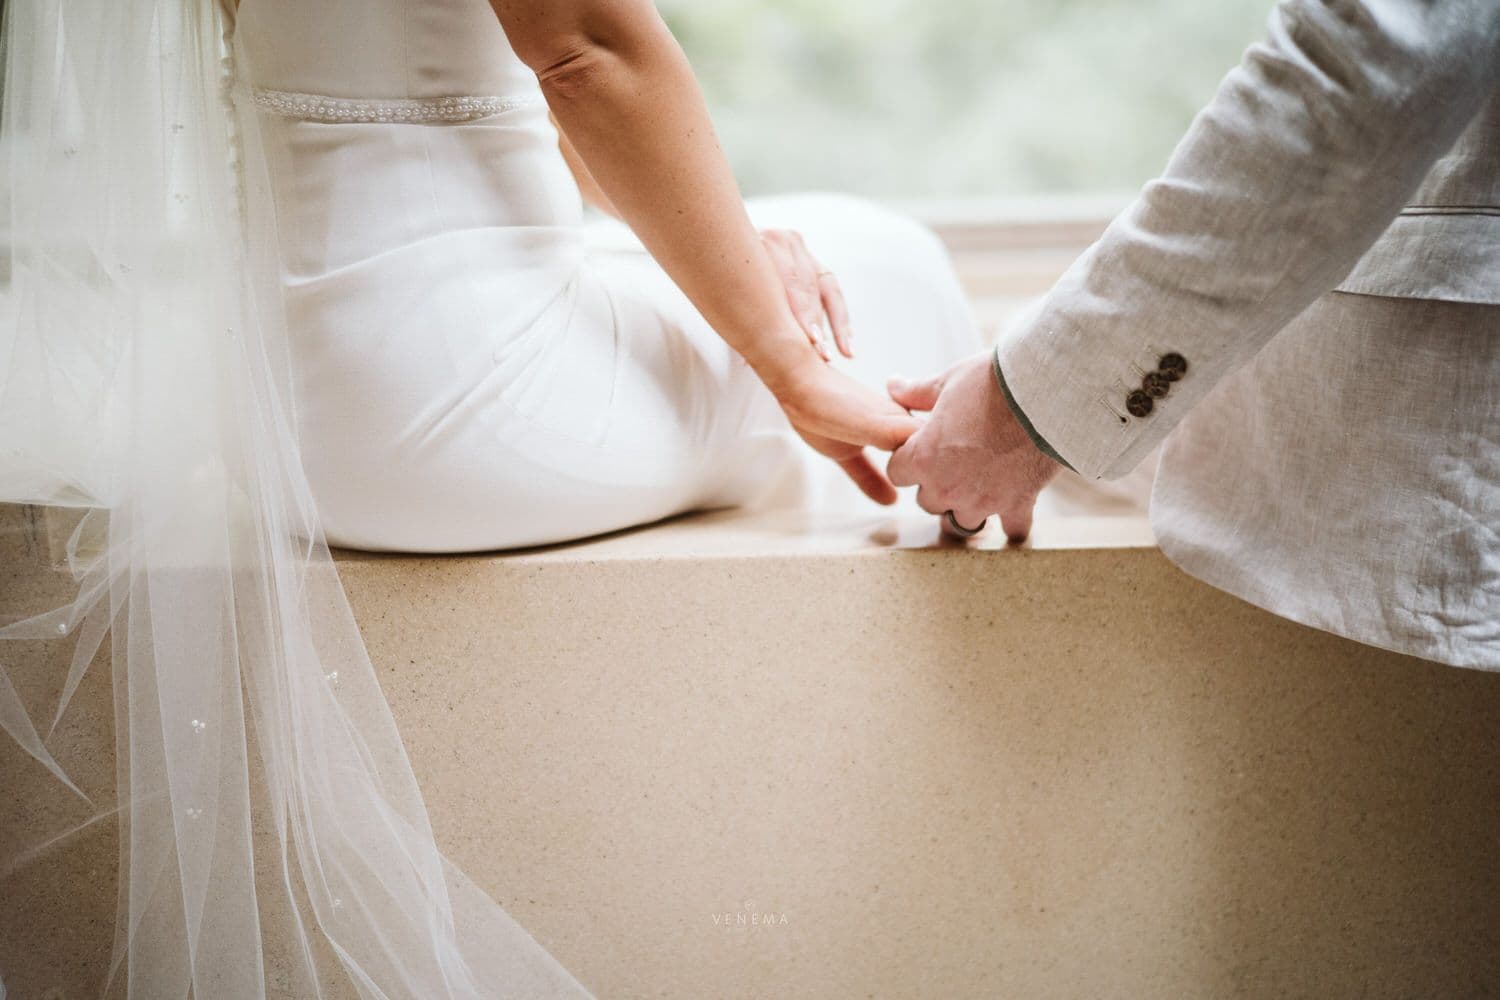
(466, 368)
(272, 838)
(477, 368)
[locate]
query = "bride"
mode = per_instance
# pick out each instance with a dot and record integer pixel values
(476, 368)
(310, 272)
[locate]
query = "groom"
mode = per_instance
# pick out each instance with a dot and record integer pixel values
(1326, 360)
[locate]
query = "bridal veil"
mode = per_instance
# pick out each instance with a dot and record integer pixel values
(262, 791)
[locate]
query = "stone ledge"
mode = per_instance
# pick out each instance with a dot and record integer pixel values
(956, 771)
(734, 533)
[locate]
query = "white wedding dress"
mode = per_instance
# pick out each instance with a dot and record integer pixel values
(307, 261)
(323, 261)
(477, 366)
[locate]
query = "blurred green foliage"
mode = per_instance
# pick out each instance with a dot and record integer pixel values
(958, 97)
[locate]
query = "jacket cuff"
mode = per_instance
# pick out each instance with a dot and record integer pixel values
(1021, 418)
(1078, 390)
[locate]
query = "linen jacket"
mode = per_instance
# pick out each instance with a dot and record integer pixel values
(1355, 151)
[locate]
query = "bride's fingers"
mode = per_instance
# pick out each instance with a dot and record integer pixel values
(814, 326)
(799, 285)
(871, 481)
(809, 313)
(886, 431)
(828, 297)
(838, 312)
(810, 303)
(833, 405)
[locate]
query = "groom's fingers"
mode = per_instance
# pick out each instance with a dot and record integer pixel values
(902, 468)
(871, 481)
(929, 501)
(1017, 520)
(915, 395)
(972, 518)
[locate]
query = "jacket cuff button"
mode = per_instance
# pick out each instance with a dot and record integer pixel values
(1155, 385)
(1138, 404)
(1173, 366)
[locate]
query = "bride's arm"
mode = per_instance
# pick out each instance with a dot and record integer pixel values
(589, 188)
(812, 292)
(624, 96)
(623, 93)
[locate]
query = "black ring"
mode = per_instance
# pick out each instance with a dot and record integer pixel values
(960, 530)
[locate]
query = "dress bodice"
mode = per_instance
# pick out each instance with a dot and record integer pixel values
(395, 50)
(392, 127)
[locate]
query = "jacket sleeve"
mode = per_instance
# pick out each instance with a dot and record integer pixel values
(1307, 152)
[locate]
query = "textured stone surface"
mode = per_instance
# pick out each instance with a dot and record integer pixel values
(956, 772)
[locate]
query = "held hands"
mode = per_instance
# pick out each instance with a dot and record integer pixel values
(837, 416)
(970, 456)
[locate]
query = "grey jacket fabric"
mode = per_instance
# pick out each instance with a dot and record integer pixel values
(1445, 244)
(1357, 148)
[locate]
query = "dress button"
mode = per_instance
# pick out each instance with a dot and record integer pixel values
(1173, 366)
(1138, 404)
(1155, 385)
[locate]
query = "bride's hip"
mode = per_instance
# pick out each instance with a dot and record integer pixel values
(473, 472)
(478, 406)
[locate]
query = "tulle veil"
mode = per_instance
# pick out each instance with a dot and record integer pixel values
(263, 798)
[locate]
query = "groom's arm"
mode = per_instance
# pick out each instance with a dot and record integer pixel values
(1308, 151)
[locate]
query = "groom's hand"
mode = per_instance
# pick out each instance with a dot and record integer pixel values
(971, 456)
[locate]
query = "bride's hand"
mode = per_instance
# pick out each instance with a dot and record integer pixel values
(812, 291)
(838, 417)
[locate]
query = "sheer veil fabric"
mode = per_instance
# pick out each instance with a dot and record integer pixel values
(144, 378)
